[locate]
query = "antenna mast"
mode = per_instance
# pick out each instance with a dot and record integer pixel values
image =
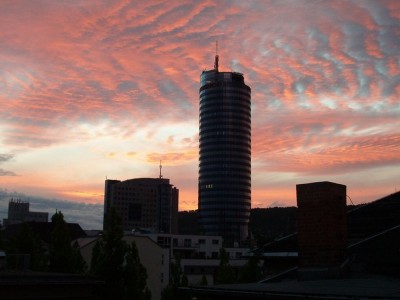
(160, 170)
(216, 57)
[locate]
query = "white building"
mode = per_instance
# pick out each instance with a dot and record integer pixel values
(152, 256)
(199, 254)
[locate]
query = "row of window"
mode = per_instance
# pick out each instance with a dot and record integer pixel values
(225, 162)
(220, 208)
(223, 175)
(229, 160)
(225, 93)
(235, 131)
(226, 114)
(227, 142)
(221, 86)
(221, 200)
(227, 129)
(226, 181)
(229, 125)
(240, 108)
(226, 185)
(226, 126)
(216, 150)
(232, 194)
(208, 217)
(224, 166)
(166, 241)
(134, 188)
(212, 121)
(223, 134)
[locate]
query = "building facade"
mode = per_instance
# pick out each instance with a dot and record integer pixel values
(149, 204)
(18, 212)
(224, 186)
(199, 255)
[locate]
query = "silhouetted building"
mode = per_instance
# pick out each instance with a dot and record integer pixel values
(143, 203)
(18, 212)
(365, 223)
(43, 230)
(370, 269)
(225, 154)
(321, 223)
(40, 285)
(322, 235)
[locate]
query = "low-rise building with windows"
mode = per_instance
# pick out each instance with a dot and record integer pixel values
(198, 254)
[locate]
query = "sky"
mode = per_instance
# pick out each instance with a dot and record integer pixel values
(101, 89)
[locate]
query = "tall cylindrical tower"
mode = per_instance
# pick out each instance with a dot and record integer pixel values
(225, 154)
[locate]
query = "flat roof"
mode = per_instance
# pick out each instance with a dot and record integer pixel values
(365, 288)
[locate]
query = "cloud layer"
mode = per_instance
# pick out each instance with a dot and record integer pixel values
(109, 88)
(89, 216)
(5, 158)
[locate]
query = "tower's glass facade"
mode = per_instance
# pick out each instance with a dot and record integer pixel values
(225, 155)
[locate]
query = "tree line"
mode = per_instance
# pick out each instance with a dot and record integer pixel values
(113, 261)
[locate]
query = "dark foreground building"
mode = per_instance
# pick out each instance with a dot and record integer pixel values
(368, 268)
(225, 154)
(45, 286)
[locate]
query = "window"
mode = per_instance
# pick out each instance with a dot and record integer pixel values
(215, 242)
(202, 241)
(187, 242)
(134, 212)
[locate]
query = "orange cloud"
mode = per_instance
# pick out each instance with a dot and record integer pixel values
(172, 159)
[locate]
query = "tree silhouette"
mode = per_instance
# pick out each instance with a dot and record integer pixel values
(224, 273)
(26, 242)
(135, 276)
(204, 280)
(251, 271)
(177, 279)
(63, 257)
(118, 264)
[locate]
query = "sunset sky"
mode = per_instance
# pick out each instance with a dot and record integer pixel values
(108, 88)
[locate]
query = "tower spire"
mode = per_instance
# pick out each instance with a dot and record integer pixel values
(216, 57)
(160, 170)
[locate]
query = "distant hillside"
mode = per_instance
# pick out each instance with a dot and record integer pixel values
(265, 222)
(273, 222)
(187, 222)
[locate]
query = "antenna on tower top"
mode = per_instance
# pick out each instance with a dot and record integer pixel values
(216, 57)
(160, 170)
